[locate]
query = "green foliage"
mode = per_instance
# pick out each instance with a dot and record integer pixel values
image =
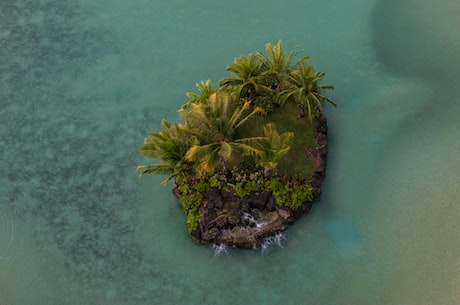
(304, 89)
(290, 193)
(277, 65)
(265, 103)
(205, 90)
(246, 78)
(218, 146)
(193, 220)
(170, 146)
(245, 181)
(274, 77)
(274, 146)
(201, 186)
(209, 140)
(219, 181)
(191, 197)
(279, 189)
(214, 123)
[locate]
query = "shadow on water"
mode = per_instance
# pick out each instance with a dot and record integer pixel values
(417, 190)
(418, 38)
(419, 41)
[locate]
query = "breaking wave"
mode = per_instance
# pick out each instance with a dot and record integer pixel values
(220, 249)
(275, 240)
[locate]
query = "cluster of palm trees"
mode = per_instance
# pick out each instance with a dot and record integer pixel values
(210, 137)
(209, 140)
(278, 78)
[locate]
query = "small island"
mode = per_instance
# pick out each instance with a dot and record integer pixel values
(250, 155)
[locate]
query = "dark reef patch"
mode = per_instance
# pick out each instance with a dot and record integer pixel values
(62, 170)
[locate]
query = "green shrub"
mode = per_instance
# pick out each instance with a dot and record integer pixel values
(219, 181)
(191, 196)
(300, 195)
(279, 189)
(291, 193)
(266, 103)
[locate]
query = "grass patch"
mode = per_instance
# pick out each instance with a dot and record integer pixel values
(299, 160)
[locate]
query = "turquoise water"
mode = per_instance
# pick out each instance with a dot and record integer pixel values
(82, 83)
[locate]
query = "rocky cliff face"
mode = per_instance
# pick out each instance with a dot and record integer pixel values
(245, 222)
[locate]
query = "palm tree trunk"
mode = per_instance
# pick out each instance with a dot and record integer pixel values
(302, 110)
(224, 165)
(252, 95)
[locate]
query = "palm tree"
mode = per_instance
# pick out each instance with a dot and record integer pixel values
(215, 124)
(274, 146)
(246, 79)
(205, 89)
(169, 146)
(276, 66)
(305, 90)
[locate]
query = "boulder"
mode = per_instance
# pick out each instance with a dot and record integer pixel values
(252, 237)
(257, 200)
(285, 214)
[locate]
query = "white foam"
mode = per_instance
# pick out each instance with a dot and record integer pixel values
(220, 249)
(274, 240)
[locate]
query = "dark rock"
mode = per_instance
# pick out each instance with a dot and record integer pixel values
(320, 164)
(320, 158)
(221, 221)
(257, 200)
(244, 207)
(321, 139)
(214, 195)
(322, 125)
(234, 220)
(211, 235)
(270, 205)
(208, 204)
(175, 190)
(196, 234)
(285, 214)
(228, 195)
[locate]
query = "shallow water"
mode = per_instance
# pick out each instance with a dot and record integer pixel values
(81, 84)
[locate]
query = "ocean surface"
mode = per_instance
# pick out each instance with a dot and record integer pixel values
(83, 82)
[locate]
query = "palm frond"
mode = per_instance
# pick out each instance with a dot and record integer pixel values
(274, 147)
(160, 169)
(205, 89)
(197, 153)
